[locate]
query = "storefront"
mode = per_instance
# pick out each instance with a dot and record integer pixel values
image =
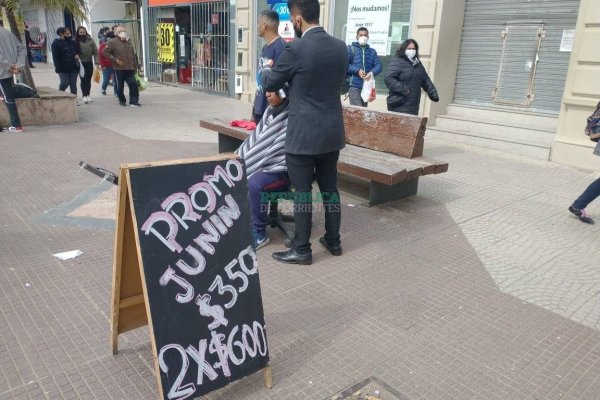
(515, 54)
(190, 44)
(388, 22)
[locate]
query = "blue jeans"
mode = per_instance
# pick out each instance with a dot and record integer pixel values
(106, 72)
(263, 182)
(590, 194)
(68, 80)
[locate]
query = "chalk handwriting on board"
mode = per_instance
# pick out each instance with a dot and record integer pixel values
(253, 341)
(233, 172)
(207, 310)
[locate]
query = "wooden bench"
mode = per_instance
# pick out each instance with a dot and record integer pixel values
(383, 148)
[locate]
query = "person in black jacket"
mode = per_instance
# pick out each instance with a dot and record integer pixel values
(28, 43)
(405, 76)
(65, 55)
(315, 67)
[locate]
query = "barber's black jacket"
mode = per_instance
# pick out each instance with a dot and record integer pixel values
(315, 66)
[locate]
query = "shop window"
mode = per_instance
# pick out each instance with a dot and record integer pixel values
(387, 27)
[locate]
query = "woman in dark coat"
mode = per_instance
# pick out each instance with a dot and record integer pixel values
(405, 76)
(65, 55)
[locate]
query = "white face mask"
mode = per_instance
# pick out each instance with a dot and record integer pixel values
(122, 35)
(410, 53)
(362, 40)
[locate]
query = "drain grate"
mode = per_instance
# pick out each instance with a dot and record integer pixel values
(370, 388)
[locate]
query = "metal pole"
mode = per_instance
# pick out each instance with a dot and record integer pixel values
(143, 32)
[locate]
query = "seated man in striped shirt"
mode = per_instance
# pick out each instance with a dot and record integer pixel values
(264, 155)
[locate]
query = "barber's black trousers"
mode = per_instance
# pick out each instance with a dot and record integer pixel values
(302, 169)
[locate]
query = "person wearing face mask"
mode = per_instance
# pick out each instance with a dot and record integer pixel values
(88, 53)
(65, 55)
(405, 77)
(268, 25)
(363, 65)
(315, 66)
(125, 65)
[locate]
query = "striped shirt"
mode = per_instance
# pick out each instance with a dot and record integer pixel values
(264, 149)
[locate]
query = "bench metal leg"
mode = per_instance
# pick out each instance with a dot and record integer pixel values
(379, 193)
(228, 144)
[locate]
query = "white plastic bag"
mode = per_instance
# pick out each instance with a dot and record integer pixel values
(368, 90)
(81, 70)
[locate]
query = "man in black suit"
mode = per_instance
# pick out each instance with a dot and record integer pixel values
(315, 67)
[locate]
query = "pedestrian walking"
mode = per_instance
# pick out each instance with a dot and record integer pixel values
(65, 55)
(405, 77)
(125, 65)
(88, 53)
(106, 65)
(28, 43)
(102, 37)
(363, 65)
(315, 66)
(593, 190)
(12, 59)
(268, 25)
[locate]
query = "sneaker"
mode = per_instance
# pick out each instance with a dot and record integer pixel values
(135, 104)
(122, 103)
(104, 92)
(89, 99)
(85, 99)
(582, 215)
(13, 129)
(260, 239)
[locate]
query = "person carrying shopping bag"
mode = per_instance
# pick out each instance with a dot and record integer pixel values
(88, 53)
(125, 65)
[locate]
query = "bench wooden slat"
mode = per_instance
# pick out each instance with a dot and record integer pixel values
(432, 166)
(400, 134)
(377, 166)
(225, 128)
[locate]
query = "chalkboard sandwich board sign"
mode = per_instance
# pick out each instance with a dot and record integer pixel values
(185, 266)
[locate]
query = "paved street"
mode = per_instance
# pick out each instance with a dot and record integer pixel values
(480, 287)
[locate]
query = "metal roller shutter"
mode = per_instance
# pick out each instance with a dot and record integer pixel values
(482, 50)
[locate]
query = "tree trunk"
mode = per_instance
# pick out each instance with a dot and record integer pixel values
(12, 21)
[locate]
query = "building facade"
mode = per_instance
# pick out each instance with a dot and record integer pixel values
(190, 43)
(516, 76)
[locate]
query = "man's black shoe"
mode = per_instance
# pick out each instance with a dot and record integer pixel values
(122, 103)
(334, 250)
(293, 257)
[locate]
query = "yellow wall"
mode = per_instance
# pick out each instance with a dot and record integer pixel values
(582, 92)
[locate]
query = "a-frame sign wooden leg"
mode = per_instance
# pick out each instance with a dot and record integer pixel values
(268, 375)
(128, 308)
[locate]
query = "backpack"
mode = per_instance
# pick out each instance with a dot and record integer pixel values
(23, 91)
(592, 128)
(346, 84)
